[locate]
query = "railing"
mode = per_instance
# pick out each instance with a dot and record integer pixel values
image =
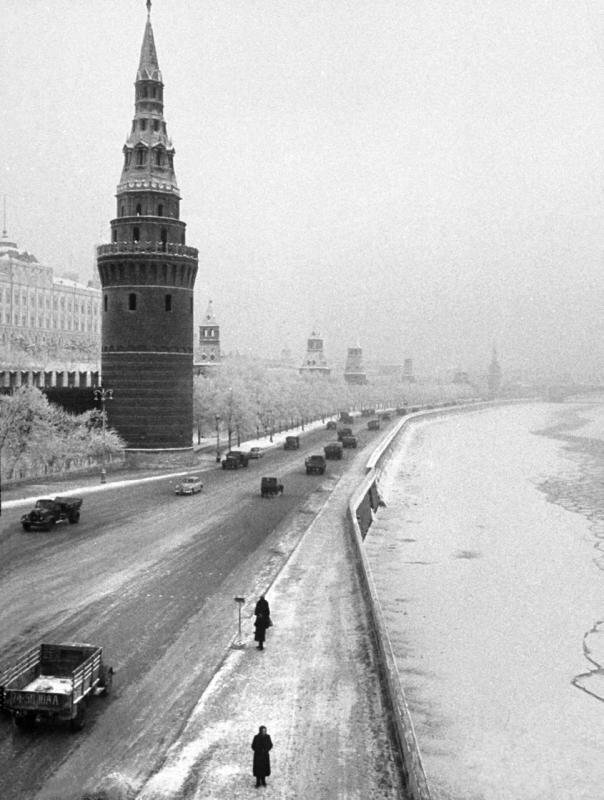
(171, 248)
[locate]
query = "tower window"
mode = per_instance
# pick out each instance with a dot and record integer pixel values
(141, 156)
(131, 302)
(153, 92)
(158, 158)
(104, 302)
(114, 234)
(139, 209)
(127, 158)
(190, 305)
(160, 210)
(164, 239)
(143, 124)
(155, 124)
(136, 234)
(122, 210)
(144, 91)
(168, 302)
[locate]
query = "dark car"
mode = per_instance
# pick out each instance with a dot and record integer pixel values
(401, 411)
(346, 417)
(291, 443)
(385, 415)
(235, 459)
(373, 425)
(331, 425)
(315, 465)
(49, 512)
(270, 487)
(367, 412)
(333, 450)
(344, 432)
(349, 441)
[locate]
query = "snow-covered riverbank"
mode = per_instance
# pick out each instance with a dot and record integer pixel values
(491, 588)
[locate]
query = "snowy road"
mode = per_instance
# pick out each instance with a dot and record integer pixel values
(487, 560)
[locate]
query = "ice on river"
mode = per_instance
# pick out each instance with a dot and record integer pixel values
(494, 601)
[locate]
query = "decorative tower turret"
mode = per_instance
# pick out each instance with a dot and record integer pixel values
(494, 378)
(147, 275)
(208, 347)
(315, 362)
(354, 372)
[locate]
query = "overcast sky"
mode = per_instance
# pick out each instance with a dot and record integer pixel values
(423, 176)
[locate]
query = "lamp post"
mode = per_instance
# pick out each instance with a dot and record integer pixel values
(102, 394)
(217, 418)
(270, 422)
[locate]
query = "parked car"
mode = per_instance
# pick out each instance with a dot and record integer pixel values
(349, 441)
(48, 512)
(54, 682)
(269, 487)
(333, 450)
(189, 485)
(235, 459)
(373, 425)
(315, 465)
(367, 412)
(291, 443)
(256, 452)
(331, 425)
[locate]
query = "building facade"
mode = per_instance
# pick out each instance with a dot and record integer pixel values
(147, 276)
(46, 323)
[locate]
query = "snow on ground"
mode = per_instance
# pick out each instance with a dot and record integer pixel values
(495, 607)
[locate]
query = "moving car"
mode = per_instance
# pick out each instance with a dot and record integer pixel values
(315, 465)
(333, 450)
(269, 487)
(189, 485)
(331, 425)
(373, 425)
(349, 441)
(235, 459)
(256, 452)
(292, 443)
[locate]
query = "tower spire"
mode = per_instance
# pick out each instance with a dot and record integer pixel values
(148, 8)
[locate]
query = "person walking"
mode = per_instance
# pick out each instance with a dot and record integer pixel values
(263, 621)
(261, 745)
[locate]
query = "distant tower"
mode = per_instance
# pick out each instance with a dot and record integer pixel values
(408, 376)
(354, 372)
(494, 378)
(147, 277)
(208, 343)
(315, 362)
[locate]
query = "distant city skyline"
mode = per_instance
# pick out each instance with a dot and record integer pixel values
(424, 180)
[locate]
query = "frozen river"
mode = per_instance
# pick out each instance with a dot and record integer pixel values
(489, 562)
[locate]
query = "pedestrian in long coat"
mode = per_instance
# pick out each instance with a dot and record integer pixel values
(261, 745)
(263, 621)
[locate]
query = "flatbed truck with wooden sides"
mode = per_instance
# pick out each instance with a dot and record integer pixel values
(54, 682)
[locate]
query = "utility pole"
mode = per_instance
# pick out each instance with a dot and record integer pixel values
(103, 395)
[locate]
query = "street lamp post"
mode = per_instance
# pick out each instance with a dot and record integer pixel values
(217, 418)
(102, 394)
(270, 422)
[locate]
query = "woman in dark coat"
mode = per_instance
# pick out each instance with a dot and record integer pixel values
(261, 745)
(263, 621)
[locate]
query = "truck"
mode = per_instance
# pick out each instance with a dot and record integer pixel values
(344, 432)
(373, 425)
(49, 512)
(291, 443)
(53, 682)
(346, 417)
(349, 441)
(315, 465)
(269, 487)
(333, 450)
(235, 459)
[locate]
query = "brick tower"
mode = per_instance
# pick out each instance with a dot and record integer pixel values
(315, 362)
(147, 275)
(354, 371)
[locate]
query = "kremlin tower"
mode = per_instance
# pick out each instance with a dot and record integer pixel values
(315, 362)
(354, 371)
(147, 275)
(208, 356)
